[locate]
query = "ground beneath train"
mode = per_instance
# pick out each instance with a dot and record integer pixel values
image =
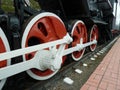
(79, 79)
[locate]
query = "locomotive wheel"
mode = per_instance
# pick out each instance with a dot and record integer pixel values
(93, 35)
(4, 47)
(42, 28)
(79, 35)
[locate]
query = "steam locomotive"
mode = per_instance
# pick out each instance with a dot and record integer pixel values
(38, 40)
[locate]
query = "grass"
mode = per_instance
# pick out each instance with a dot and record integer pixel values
(8, 5)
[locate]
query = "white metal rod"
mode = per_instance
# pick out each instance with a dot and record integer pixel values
(17, 68)
(78, 47)
(26, 65)
(70, 50)
(34, 63)
(58, 58)
(89, 43)
(22, 51)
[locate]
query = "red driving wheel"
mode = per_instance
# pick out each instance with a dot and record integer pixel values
(93, 35)
(79, 35)
(44, 27)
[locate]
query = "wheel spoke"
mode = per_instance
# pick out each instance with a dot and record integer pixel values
(94, 31)
(82, 32)
(76, 33)
(36, 32)
(49, 27)
(42, 30)
(74, 43)
(79, 30)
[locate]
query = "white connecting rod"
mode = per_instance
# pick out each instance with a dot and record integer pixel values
(20, 67)
(56, 64)
(34, 63)
(3, 56)
(78, 47)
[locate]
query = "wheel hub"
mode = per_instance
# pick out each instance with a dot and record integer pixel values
(47, 60)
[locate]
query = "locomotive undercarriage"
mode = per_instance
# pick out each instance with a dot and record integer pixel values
(40, 42)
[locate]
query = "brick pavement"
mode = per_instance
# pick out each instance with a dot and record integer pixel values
(107, 74)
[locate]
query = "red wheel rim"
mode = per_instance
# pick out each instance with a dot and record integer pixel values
(46, 29)
(79, 33)
(94, 36)
(2, 49)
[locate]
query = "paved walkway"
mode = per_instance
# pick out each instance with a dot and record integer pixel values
(107, 74)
